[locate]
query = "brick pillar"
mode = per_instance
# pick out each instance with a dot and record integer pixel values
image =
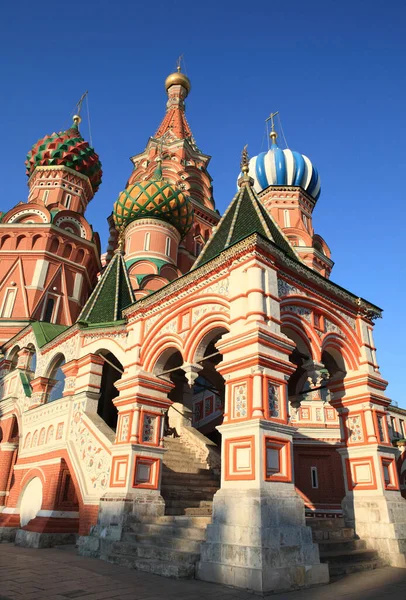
(373, 504)
(8, 451)
(258, 538)
(136, 461)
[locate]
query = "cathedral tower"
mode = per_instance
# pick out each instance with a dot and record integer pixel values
(49, 254)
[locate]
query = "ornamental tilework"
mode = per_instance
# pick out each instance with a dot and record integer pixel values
(318, 414)
(94, 458)
(273, 401)
(149, 428)
(240, 401)
(355, 429)
(59, 431)
(381, 430)
(125, 427)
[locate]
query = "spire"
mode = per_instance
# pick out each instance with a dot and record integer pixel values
(111, 295)
(244, 217)
(177, 86)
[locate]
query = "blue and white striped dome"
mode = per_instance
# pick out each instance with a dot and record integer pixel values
(284, 167)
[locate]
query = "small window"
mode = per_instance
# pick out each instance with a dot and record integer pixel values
(286, 218)
(147, 240)
(68, 199)
(315, 479)
(49, 309)
(45, 195)
(305, 221)
(395, 432)
(199, 248)
(8, 303)
(402, 427)
(168, 246)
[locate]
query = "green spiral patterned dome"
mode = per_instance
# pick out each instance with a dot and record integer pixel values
(154, 198)
(68, 149)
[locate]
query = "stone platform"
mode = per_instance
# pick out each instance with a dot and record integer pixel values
(60, 574)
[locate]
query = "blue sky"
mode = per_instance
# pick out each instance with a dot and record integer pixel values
(334, 70)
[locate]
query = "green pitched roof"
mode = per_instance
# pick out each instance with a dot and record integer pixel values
(112, 293)
(45, 332)
(244, 216)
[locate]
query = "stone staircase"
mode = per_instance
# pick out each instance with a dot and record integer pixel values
(188, 485)
(170, 545)
(340, 548)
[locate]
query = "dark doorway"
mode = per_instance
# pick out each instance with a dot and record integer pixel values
(112, 372)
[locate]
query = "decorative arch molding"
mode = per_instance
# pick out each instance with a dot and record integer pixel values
(58, 357)
(305, 331)
(64, 219)
(336, 342)
(296, 327)
(17, 213)
(194, 347)
(31, 474)
(152, 357)
(105, 344)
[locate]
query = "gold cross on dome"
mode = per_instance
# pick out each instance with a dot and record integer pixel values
(79, 104)
(178, 63)
(271, 118)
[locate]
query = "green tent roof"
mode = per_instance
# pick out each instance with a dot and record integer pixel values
(244, 216)
(112, 293)
(45, 332)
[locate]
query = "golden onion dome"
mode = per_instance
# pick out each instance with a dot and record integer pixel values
(154, 198)
(178, 78)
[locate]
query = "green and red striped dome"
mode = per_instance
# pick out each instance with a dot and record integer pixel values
(67, 149)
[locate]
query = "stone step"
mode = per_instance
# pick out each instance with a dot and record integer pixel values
(158, 567)
(188, 503)
(188, 493)
(325, 523)
(338, 569)
(348, 557)
(206, 475)
(182, 468)
(197, 512)
(341, 545)
(334, 534)
(158, 552)
(182, 521)
(184, 544)
(182, 532)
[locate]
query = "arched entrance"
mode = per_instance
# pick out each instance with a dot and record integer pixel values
(317, 464)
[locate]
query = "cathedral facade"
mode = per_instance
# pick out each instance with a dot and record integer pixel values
(204, 401)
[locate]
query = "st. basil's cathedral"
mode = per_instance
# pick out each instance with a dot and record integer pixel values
(201, 400)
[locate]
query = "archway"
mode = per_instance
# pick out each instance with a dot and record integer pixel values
(209, 388)
(30, 501)
(112, 372)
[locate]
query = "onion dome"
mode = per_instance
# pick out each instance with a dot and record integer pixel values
(284, 167)
(154, 198)
(178, 78)
(67, 149)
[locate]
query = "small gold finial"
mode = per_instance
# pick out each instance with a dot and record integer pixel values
(77, 119)
(273, 135)
(244, 160)
(121, 239)
(178, 63)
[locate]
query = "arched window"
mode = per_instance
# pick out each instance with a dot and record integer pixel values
(168, 246)
(68, 200)
(58, 376)
(147, 240)
(67, 251)
(286, 218)
(49, 310)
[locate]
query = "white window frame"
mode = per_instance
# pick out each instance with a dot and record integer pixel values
(314, 477)
(286, 217)
(45, 195)
(5, 299)
(67, 201)
(147, 241)
(168, 246)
